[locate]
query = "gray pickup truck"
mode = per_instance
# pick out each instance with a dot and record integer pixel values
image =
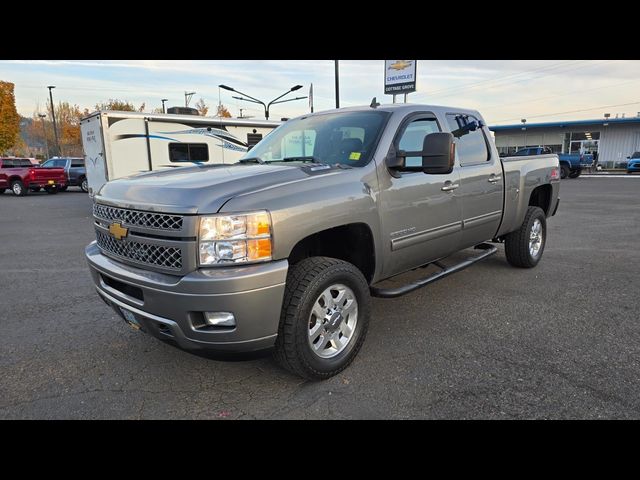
(283, 250)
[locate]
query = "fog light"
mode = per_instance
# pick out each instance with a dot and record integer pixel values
(220, 319)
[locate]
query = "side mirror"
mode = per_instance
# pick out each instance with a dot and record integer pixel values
(438, 155)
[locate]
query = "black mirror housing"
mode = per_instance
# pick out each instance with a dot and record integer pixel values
(438, 153)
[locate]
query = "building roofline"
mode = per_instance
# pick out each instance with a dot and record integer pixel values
(567, 123)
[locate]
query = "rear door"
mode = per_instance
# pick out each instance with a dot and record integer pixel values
(481, 183)
(95, 159)
(76, 170)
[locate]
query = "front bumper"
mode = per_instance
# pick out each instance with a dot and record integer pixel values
(170, 307)
(634, 167)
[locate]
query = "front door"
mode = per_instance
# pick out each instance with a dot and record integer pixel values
(481, 184)
(421, 221)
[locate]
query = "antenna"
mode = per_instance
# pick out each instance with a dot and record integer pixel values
(374, 103)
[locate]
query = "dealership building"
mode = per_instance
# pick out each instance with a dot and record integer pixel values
(613, 139)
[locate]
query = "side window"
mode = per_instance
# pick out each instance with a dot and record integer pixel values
(7, 164)
(471, 148)
(412, 138)
(188, 152)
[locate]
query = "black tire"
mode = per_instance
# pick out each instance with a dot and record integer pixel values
(35, 189)
(63, 189)
(516, 244)
(84, 185)
(51, 190)
(306, 281)
(574, 174)
(18, 188)
(564, 171)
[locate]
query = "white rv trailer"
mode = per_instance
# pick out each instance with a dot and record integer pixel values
(119, 144)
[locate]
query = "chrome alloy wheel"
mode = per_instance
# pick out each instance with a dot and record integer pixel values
(333, 321)
(17, 188)
(535, 238)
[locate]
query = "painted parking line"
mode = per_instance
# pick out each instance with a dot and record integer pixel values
(608, 176)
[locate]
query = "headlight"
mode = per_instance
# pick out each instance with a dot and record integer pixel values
(229, 239)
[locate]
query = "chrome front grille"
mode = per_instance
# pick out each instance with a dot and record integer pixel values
(141, 253)
(158, 221)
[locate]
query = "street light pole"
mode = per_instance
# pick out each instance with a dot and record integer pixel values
(164, 100)
(44, 131)
(53, 116)
(268, 105)
(337, 74)
(187, 97)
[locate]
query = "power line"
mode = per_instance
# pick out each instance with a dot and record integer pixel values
(575, 92)
(570, 111)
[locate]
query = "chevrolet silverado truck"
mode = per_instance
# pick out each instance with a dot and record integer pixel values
(74, 169)
(19, 175)
(571, 164)
(284, 249)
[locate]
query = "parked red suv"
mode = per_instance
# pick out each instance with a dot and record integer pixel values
(20, 175)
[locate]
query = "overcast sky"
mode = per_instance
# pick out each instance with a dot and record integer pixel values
(503, 91)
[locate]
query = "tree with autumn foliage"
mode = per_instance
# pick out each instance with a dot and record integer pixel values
(202, 107)
(9, 118)
(68, 120)
(223, 112)
(119, 106)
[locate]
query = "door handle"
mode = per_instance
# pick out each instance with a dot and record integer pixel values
(449, 187)
(494, 178)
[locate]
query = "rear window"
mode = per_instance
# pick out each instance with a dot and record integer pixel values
(188, 152)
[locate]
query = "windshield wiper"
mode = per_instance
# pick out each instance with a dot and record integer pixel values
(310, 159)
(252, 160)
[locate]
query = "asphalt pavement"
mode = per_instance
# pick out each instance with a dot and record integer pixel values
(558, 341)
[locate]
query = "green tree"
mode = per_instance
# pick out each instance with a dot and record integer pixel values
(9, 118)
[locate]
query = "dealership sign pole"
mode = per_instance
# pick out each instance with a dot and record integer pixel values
(399, 77)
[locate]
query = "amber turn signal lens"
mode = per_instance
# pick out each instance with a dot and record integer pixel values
(259, 249)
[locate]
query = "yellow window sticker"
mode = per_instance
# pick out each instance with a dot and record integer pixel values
(354, 156)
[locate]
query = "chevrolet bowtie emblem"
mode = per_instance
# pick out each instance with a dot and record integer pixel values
(118, 231)
(400, 65)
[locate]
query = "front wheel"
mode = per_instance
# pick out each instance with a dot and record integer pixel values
(524, 247)
(325, 316)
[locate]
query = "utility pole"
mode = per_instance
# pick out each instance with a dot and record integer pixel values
(164, 100)
(53, 116)
(44, 131)
(337, 84)
(187, 98)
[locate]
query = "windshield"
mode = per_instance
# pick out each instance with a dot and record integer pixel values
(347, 138)
(636, 155)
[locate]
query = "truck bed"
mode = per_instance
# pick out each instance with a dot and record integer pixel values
(521, 175)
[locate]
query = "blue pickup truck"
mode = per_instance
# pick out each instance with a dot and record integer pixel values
(74, 169)
(571, 164)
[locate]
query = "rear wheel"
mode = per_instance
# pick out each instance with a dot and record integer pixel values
(524, 247)
(18, 188)
(84, 185)
(564, 171)
(324, 320)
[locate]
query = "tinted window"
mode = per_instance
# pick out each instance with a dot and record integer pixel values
(7, 163)
(57, 163)
(472, 147)
(188, 152)
(412, 138)
(77, 162)
(636, 155)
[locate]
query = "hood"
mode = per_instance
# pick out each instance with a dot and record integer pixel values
(200, 189)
